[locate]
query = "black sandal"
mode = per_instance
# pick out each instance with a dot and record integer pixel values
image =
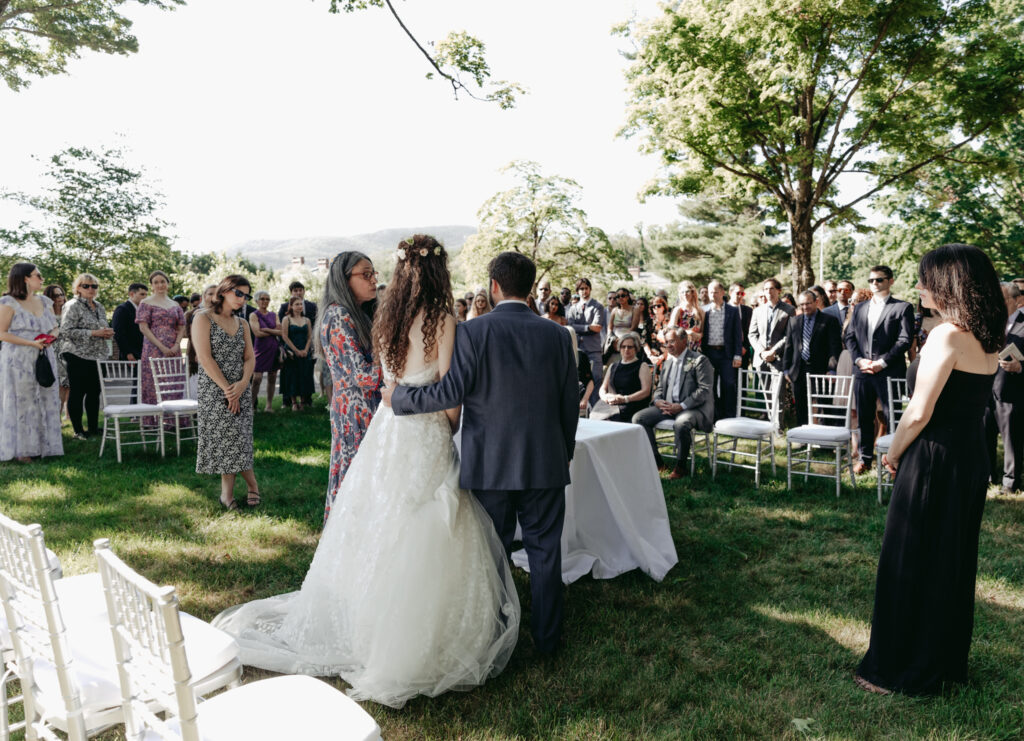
(230, 507)
(253, 499)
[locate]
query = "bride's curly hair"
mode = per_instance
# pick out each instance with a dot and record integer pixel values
(421, 283)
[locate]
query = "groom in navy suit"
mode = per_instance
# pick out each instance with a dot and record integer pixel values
(515, 376)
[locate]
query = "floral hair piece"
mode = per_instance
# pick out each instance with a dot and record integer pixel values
(402, 253)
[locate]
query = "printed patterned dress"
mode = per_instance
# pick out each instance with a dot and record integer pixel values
(356, 393)
(225, 439)
(29, 413)
(163, 323)
(687, 319)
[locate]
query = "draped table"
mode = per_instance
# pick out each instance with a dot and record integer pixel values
(615, 515)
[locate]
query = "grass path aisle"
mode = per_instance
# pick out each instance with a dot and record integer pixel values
(754, 634)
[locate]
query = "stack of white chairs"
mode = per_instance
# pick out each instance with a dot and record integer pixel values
(828, 428)
(898, 401)
(667, 443)
(119, 387)
(757, 406)
(170, 377)
(152, 662)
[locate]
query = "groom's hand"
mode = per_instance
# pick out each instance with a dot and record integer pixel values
(385, 395)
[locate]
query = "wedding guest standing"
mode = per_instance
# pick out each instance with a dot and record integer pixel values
(127, 335)
(924, 594)
(343, 331)
(86, 332)
(162, 323)
(205, 301)
(588, 319)
(226, 361)
(688, 315)
(297, 372)
(297, 289)
(480, 306)
(264, 328)
(722, 343)
(56, 294)
(29, 412)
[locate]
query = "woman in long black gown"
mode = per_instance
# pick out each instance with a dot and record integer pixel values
(924, 594)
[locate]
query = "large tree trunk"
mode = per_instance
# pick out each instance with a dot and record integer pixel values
(802, 238)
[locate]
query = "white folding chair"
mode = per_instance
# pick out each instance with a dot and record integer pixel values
(757, 405)
(119, 388)
(898, 401)
(667, 443)
(170, 377)
(828, 411)
(60, 688)
(152, 662)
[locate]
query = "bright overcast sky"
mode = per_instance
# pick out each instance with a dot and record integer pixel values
(258, 122)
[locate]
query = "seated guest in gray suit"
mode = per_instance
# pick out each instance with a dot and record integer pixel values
(515, 376)
(684, 395)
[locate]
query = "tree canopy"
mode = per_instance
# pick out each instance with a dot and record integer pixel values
(540, 218)
(783, 98)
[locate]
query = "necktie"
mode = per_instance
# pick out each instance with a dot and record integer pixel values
(771, 316)
(673, 379)
(806, 352)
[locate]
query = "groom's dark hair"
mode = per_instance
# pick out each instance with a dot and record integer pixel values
(514, 273)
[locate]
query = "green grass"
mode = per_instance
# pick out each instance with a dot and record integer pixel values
(756, 630)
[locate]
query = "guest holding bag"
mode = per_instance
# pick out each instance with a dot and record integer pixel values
(29, 411)
(226, 361)
(85, 332)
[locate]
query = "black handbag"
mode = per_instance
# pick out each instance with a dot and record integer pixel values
(44, 371)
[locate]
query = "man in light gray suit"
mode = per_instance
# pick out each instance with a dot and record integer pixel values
(768, 329)
(684, 395)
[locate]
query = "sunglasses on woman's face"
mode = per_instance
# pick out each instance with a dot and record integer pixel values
(241, 294)
(88, 285)
(628, 346)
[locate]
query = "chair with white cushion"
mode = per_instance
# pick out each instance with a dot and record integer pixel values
(828, 428)
(667, 443)
(122, 413)
(170, 378)
(757, 406)
(152, 662)
(898, 401)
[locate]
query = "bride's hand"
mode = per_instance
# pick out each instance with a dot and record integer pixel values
(385, 395)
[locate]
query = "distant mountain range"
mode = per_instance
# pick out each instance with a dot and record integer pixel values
(278, 253)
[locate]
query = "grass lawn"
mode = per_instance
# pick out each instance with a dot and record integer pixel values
(755, 633)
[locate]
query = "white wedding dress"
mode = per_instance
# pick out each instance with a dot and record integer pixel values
(409, 592)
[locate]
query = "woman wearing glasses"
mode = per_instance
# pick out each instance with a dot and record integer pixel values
(345, 345)
(626, 388)
(84, 328)
(29, 413)
(162, 323)
(265, 329)
(226, 361)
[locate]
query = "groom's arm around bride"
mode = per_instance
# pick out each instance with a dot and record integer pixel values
(515, 376)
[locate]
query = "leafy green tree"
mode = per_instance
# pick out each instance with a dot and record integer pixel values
(721, 237)
(38, 37)
(540, 218)
(786, 97)
(95, 214)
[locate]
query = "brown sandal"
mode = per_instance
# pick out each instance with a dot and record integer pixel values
(233, 506)
(253, 499)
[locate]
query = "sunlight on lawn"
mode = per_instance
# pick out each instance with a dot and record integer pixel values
(847, 632)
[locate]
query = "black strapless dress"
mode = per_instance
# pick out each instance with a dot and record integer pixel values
(924, 594)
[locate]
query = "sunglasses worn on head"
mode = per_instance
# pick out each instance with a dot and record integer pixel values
(241, 294)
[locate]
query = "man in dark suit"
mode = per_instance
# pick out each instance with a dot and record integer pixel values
(1008, 398)
(684, 395)
(515, 376)
(841, 306)
(813, 344)
(768, 328)
(297, 290)
(722, 343)
(127, 335)
(737, 298)
(878, 337)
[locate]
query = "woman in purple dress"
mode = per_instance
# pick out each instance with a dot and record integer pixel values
(343, 329)
(162, 323)
(263, 323)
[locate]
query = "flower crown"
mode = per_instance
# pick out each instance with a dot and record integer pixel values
(403, 252)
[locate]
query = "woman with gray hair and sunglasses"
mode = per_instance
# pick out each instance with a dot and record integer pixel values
(342, 339)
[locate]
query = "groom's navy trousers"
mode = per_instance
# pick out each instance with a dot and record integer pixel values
(515, 376)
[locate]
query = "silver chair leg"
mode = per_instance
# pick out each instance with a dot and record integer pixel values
(714, 456)
(757, 466)
(789, 465)
(117, 437)
(839, 469)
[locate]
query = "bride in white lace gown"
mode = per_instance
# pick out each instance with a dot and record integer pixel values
(409, 592)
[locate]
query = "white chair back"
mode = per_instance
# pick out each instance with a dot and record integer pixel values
(898, 400)
(119, 381)
(828, 399)
(34, 620)
(150, 649)
(757, 395)
(170, 378)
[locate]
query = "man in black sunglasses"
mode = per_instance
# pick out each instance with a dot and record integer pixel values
(878, 337)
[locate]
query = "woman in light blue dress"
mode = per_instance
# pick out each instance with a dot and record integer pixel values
(29, 412)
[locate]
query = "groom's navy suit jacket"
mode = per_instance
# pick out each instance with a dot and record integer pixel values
(515, 376)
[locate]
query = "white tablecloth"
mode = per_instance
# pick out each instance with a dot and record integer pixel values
(615, 515)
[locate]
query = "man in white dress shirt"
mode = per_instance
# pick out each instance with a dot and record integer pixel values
(684, 395)
(841, 306)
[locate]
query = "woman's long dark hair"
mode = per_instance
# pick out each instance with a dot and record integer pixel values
(229, 283)
(337, 291)
(421, 283)
(16, 286)
(966, 290)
